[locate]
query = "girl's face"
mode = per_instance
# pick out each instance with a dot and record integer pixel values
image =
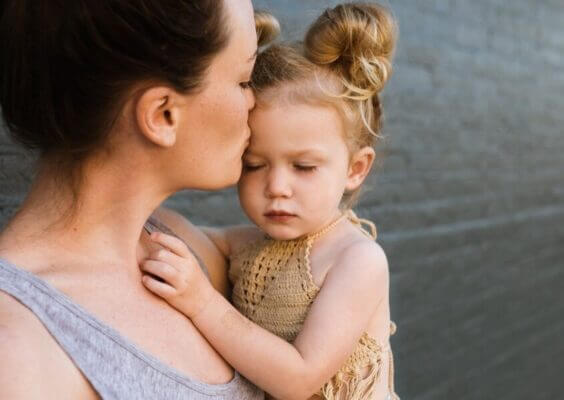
(295, 170)
(215, 120)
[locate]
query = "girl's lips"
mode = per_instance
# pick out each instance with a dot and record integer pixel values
(279, 216)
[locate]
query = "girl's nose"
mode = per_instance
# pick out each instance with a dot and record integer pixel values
(278, 184)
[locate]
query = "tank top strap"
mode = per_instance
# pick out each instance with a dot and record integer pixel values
(115, 367)
(366, 226)
(154, 225)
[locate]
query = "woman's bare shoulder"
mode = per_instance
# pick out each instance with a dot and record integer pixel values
(18, 325)
(33, 364)
(24, 346)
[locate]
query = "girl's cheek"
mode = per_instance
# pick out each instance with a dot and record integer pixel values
(245, 188)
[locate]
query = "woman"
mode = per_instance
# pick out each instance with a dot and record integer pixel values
(127, 102)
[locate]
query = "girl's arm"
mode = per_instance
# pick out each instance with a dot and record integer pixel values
(351, 294)
(229, 239)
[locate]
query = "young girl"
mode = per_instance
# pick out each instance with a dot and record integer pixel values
(310, 285)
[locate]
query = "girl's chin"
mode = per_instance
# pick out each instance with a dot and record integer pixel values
(281, 233)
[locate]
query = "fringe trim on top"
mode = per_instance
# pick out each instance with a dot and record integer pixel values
(352, 382)
(350, 385)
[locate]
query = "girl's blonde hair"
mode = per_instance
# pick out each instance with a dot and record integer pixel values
(344, 61)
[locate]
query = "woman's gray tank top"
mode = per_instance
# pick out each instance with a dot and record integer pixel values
(115, 367)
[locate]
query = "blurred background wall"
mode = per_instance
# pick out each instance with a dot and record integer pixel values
(469, 200)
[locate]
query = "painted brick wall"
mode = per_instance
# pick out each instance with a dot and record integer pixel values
(469, 200)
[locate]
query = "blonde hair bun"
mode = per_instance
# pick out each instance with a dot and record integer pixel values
(267, 26)
(356, 41)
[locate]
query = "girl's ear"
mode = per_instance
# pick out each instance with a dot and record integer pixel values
(157, 112)
(359, 166)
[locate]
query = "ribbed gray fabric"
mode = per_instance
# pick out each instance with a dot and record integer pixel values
(115, 367)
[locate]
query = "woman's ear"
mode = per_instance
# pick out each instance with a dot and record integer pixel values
(359, 167)
(157, 114)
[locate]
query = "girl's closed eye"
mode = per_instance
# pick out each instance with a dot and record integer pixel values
(250, 167)
(305, 167)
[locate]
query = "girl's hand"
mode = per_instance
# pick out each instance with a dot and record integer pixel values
(174, 274)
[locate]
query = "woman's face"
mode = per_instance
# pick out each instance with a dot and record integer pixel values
(215, 130)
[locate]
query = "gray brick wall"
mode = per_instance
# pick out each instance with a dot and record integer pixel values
(469, 199)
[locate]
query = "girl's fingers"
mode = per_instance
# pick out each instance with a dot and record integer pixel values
(160, 269)
(185, 265)
(172, 243)
(159, 288)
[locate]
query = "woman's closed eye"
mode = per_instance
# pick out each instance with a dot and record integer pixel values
(246, 85)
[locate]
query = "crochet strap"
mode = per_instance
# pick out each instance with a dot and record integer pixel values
(370, 231)
(361, 223)
(323, 231)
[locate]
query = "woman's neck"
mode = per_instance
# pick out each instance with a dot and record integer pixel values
(101, 225)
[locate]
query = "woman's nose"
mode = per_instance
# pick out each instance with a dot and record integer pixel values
(250, 99)
(278, 184)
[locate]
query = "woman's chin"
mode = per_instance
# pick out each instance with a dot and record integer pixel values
(218, 182)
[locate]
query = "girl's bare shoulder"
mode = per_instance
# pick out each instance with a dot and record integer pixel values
(361, 259)
(241, 235)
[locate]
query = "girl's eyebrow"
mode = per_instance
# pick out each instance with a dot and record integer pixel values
(309, 153)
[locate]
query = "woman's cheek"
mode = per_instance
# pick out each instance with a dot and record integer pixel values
(243, 111)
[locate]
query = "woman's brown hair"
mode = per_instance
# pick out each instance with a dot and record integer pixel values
(66, 67)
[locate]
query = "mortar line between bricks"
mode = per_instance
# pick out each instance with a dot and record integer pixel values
(476, 224)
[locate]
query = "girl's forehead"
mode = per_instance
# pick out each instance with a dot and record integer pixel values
(295, 129)
(314, 153)
(298, 116)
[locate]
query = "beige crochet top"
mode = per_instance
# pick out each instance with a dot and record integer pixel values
(273, 287)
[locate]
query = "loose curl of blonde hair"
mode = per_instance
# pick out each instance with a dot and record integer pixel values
(267, 27)
(344, 61)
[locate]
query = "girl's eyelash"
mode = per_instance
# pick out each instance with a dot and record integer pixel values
(251, 167)
(305, 168)
(299, 167)
(246, 84)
